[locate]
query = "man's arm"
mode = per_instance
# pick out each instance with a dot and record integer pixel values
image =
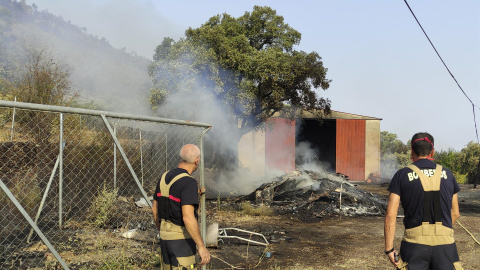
(155, 214)
(390, 221)
(455, 208)
(191, 225)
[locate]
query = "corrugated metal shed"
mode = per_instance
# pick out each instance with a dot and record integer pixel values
(350, 148)
(349, 143)
(280, 144)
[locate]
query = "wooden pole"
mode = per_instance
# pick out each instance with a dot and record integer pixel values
(477, 178)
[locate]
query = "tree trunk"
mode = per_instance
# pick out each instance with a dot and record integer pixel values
(477, 178)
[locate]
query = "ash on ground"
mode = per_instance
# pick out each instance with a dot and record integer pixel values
(311, 194)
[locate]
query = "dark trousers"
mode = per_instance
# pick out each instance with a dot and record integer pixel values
(423, 257)
(178, 253)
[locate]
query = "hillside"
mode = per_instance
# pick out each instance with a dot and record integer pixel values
(107, 75)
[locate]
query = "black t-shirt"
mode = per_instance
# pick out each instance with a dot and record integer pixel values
(184, 192)
(411, 193)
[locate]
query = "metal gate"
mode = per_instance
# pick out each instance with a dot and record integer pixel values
(60, 166)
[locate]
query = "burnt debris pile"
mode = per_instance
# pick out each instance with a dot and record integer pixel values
(311, 194)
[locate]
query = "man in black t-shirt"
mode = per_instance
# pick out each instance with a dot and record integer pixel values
(174, 210)
(428, 193)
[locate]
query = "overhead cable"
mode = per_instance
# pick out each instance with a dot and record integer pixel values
(473, 105)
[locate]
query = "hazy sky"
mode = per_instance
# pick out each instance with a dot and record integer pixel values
(380, 62)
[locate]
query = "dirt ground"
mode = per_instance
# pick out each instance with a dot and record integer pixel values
(333, 242)
(296, 242)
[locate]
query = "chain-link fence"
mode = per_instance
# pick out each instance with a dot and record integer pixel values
(72, 170)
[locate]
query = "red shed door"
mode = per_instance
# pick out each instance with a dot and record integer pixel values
(350, 150)
(280, 144)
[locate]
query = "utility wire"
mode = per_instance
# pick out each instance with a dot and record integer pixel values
(473, 105)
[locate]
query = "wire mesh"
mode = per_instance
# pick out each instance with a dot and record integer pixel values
(81, 184)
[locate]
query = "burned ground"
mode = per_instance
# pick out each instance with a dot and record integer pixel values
(300, 239)
(332, 241)
(309, 195)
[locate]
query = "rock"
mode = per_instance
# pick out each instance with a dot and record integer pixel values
(130, 234)
(143, 203)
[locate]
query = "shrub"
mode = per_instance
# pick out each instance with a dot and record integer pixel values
(103, 207)
(27, 191)
(461, 178)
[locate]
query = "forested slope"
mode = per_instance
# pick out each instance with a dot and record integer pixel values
(112, 77)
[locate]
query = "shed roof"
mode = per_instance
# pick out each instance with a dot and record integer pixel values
(333, 115)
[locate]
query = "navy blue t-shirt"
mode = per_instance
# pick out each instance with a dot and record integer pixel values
(184, 192)
(411, 193)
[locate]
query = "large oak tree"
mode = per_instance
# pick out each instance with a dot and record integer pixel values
(249, 63)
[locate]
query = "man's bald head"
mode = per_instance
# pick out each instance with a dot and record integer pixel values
(189, 153)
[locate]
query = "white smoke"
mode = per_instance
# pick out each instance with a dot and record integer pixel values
(307, 159)
(389, 165)
(113, 79)
(135, 26)
(195, 102)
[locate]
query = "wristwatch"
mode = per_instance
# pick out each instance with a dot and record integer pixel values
(389, 251)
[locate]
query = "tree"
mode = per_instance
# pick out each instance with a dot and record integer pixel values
(469, 158)
(249, 63)
(44, 81)
(394, 154)
(389, 143)
(463, 164)
(448, 158)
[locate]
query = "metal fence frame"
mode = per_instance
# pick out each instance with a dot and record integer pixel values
(59, 162)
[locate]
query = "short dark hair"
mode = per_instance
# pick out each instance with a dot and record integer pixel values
(422, 144)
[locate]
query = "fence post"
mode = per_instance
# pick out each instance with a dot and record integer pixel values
(141, 155)
(13, 122)
(60, 175)
(341, 190)
(203, 219)
(47, 189)
(477, 176)
(166, 152)
(35, 227)
(126, 160)
(114, 157)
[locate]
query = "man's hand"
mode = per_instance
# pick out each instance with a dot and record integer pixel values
(455, 213)
(391, 256)
(155, 214)
(204, 255)
(191, 225)
(201, 191)
(390, 220)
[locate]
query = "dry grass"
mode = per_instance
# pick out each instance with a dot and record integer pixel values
(261, 210)
(295, 267)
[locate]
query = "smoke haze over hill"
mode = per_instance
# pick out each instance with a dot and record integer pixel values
(112, 78)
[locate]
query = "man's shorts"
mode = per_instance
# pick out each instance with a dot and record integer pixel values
(423, 257)
(178, 253)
